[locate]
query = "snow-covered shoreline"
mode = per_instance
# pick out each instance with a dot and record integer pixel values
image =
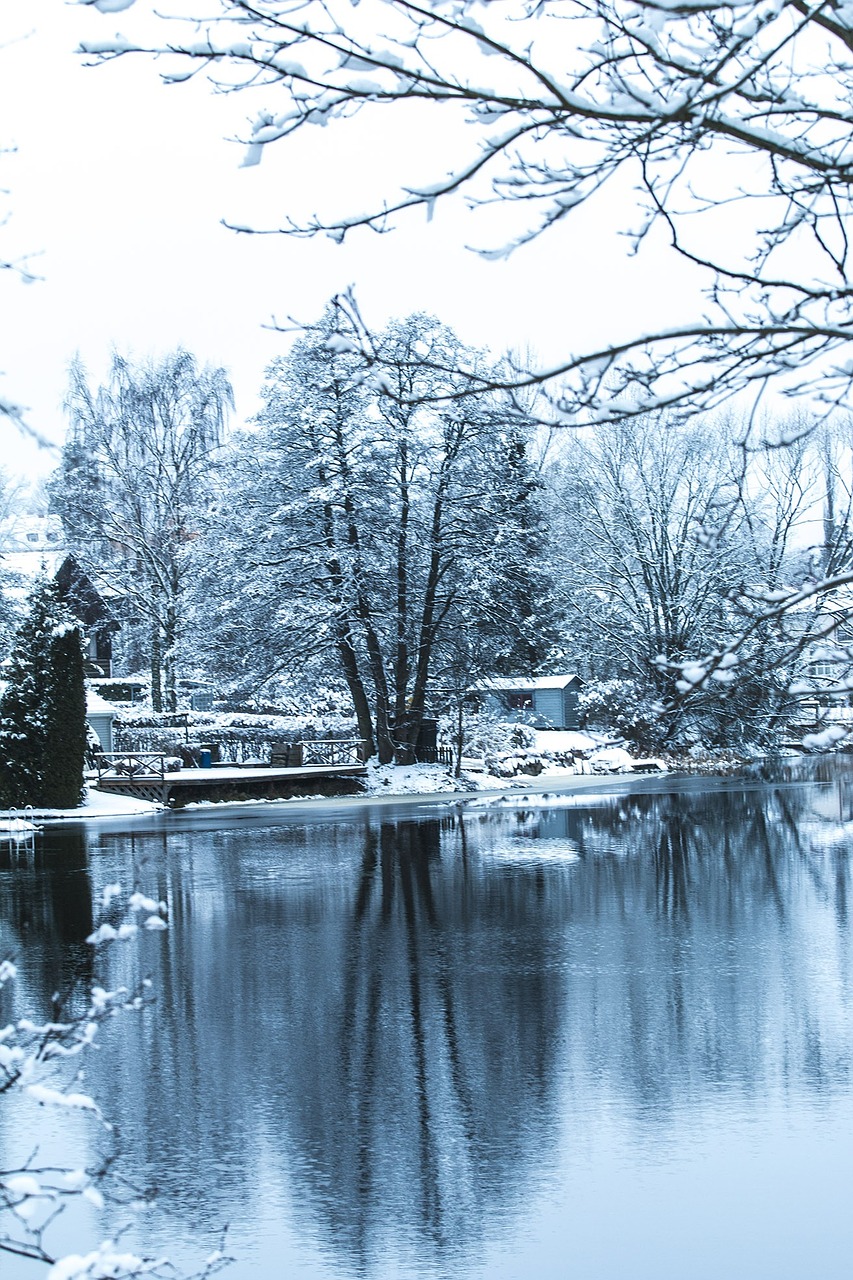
(389, 785)
(567, 762)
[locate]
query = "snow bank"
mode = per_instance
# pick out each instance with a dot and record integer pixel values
(99, 804)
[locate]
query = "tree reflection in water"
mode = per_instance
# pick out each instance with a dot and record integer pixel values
(391, 1035)
(421, 1090)
(46, 913)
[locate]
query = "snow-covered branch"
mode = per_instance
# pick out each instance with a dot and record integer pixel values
(692, 108)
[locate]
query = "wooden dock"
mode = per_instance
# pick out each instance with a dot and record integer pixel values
(145, 776)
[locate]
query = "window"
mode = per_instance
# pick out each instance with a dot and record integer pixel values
(519, 701)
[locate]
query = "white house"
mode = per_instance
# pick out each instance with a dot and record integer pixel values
(33, 547)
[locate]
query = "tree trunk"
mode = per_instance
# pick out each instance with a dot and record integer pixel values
(401, 656)
(363, 611)
(432, 610)
(156, 669)
(384, 738)
(355, 684)
(460, 737)
(170, 640)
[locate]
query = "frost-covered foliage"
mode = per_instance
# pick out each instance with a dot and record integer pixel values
(366, 526)
(133, 482)
(238, 736)
(43, 708)
(40, 1062)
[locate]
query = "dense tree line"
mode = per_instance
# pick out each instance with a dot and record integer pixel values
(372, 530)
(718, 135)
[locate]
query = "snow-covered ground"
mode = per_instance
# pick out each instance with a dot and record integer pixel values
(430, 779)
(97, 804)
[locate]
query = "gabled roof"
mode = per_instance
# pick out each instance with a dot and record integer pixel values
(31, 547)
(29, 566)
(23, 569)
(524, 684)
(96, 705)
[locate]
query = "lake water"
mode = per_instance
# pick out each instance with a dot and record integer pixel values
(598, 1036)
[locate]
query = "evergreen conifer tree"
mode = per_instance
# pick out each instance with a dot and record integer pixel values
(43, 709)
(66, 719)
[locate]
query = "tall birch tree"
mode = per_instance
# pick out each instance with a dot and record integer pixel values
(135, 471)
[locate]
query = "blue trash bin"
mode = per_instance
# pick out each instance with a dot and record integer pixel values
(205, 759)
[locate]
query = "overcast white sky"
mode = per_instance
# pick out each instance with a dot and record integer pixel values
(118, 185)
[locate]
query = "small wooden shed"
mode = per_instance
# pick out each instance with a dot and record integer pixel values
(548, 701)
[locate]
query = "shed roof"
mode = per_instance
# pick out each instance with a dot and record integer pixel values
(509, 684)
(98, 705)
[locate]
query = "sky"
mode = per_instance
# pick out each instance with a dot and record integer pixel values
(118, 185)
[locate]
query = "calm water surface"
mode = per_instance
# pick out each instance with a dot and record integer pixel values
(601, 1037)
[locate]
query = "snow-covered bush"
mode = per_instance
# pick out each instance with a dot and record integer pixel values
(611, 760)
(239, 735)
(511, 766)
(487, 735)
(622, 709)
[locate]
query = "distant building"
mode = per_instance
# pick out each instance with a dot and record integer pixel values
(100, 715)
(550, 702)
(32, 547)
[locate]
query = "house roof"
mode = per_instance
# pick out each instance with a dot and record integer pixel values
(46, 558)
(510, 684)
(96, 705)
(31, 565)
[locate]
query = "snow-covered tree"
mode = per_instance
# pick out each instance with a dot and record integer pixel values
(133, 482)
(66, 718)
(371, 523)
(680, 546)
(43, 708)
(640, 506)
